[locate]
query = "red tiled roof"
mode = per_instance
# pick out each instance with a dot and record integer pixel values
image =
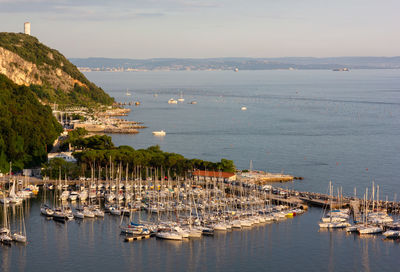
(212, 174)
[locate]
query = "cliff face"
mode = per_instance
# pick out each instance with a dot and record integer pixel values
(26, 61)
(17, 69)
(23, 72)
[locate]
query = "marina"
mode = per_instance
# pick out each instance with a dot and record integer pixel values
(168, 210)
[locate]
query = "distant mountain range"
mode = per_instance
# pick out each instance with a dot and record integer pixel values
(110, 64)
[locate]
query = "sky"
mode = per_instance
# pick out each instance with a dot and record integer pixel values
(209, 28)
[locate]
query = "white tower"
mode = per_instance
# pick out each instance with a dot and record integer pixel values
(27, 28)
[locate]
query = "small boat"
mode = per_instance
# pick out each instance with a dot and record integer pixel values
(60, 216)
(195, 233)
(137, 103)
(64, 196)
(172, 101)
(5, 239)
(181, 99)
(159, 133)
(220, 226)
(127, 93)
(244, 108)
(88, 213)
(98, 213)
(351, 229)
(5, 230)
(169, 235)
(193, 102)
(392, 234)
(19, 237)
(79, 214)
(370, 230)
(115, 211)
(208, 232)
(46, 210)
(334, 225)
(73, 196)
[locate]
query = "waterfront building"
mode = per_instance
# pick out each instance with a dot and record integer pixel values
(214, 176)
(67, 156)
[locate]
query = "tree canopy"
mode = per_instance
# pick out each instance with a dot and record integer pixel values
(27, 128)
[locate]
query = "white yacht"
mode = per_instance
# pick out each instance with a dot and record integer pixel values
(169, 235)
(159, 133)
(370, 230)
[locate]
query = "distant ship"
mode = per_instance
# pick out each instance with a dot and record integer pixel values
(172, 101)
(193, 102)
(244, 108)
(341, 69)
(236, 69)
(159, 133)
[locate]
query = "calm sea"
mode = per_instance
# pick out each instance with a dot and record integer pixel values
(321, 125)
(325, 126)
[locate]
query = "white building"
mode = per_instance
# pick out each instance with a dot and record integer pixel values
(27, 28)
(67, 156)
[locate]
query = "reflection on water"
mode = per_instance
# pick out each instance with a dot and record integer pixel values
(96, 244)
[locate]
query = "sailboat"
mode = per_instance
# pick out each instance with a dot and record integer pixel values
(13, 198)
(5, 237)
(20, 236)
(366, 228)
(333, 222)
(44, 208)
(127, 93)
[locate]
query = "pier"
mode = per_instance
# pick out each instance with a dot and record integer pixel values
(275, 195)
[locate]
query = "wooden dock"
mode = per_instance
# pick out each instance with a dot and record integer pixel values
(136, 237)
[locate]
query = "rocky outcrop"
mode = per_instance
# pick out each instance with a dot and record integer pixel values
(17, 69)
(23, 72)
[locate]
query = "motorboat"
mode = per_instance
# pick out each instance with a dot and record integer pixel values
(370, 230)
(159, 133)
(5, 239)
(352, 229)
(392, 234)
(169, 235)
(46, 210)
(88, 213)
(334, 225)
(172, 101)
(19, 237)
(98, 213)
(64, 196)
(220, 226)
(79, 215)
(73, 196)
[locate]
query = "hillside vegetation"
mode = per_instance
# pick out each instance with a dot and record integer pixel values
(27, 128)
(27, 61)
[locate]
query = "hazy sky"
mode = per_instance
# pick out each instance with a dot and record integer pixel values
(209, 28)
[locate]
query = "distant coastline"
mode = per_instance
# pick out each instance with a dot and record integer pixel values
(234, 64)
